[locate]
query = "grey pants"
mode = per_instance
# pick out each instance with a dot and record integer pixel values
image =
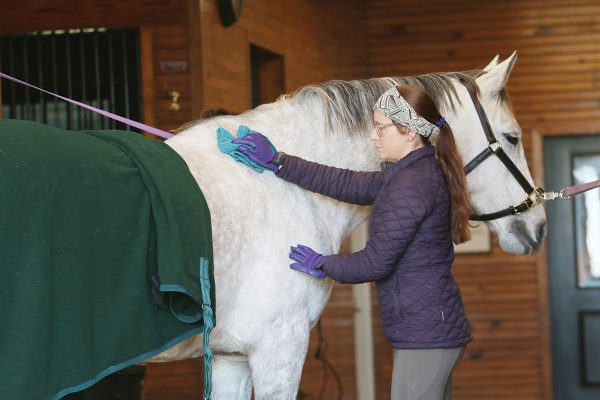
(424, 374)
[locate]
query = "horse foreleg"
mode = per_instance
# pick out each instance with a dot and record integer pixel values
(231, 379)
(277, 362)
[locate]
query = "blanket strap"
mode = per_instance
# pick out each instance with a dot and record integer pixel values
(208, 317)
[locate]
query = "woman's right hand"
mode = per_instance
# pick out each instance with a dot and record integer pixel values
(259, 149)
(250, 148)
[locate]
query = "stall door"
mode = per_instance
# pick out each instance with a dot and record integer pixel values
(97, 66)
(574, 267)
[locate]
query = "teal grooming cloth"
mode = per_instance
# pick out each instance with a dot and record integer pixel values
(226, 145)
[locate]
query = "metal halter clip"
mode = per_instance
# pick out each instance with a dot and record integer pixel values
(552, 195)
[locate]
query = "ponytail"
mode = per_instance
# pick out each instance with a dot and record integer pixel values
(452, 167)
(448, 157)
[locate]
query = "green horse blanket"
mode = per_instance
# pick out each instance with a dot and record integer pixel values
(104, 239)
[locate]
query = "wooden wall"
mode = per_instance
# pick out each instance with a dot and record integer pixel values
(555, 89)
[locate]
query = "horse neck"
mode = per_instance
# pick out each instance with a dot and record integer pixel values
(300, 130)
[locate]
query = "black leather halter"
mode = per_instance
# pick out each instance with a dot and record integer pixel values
(534, 194)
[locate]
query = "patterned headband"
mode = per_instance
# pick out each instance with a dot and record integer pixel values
(392, 105)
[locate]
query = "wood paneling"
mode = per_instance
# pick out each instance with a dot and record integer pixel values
(180, 380)
(28, 15)
(170, 43)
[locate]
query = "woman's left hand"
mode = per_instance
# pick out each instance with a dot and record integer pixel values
(308, 261)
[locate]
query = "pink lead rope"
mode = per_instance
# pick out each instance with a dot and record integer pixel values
(126, 121)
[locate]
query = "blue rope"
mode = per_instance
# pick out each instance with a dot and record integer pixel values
(208, 317)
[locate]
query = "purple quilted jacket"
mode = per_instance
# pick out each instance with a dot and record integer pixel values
(409, 253)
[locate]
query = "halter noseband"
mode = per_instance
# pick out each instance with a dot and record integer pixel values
(534, 194)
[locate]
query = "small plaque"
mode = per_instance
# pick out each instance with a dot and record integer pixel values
(480, 241)
(173, 66)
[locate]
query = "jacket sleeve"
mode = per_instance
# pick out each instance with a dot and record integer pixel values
(396, 220)
(341, 184)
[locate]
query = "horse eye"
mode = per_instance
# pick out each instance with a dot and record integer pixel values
(514, 140)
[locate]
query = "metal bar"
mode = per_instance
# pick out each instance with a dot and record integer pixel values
(27, 105)
(54, 64)
(125, 74)
(4, 57)
(83, 114)
(12, 109)
(69, 77)
(41, 78)
(138, 75)
(98, 121)
(2, 50)
(111, 74)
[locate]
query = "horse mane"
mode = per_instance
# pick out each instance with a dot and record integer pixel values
(348, 105)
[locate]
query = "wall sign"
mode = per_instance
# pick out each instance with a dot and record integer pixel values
(173, 66)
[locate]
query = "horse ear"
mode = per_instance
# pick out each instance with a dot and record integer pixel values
(492, 63)
(494, 80)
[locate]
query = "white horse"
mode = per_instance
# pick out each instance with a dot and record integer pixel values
(264, 309)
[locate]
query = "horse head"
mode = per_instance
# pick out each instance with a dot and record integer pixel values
(493, 184)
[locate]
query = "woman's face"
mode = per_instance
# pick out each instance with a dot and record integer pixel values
(392, 141)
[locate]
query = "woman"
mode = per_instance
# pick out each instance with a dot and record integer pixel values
(420, 206)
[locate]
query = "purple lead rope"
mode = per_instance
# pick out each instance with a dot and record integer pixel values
(570, 191)
(126, 121)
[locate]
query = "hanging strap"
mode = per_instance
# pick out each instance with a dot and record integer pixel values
(208, 317)
(126, 121)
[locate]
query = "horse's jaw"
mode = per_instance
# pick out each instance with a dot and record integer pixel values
(520, 235)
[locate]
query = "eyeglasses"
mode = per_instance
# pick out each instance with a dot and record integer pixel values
(379, 128)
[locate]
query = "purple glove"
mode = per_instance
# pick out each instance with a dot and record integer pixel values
(259, 149)
(309, 261)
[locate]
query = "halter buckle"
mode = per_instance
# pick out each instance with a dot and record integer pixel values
(536, 196)
(533, 199)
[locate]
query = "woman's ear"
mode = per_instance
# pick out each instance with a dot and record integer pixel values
(410, 134)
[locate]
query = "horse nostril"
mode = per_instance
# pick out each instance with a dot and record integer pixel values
(541, 232)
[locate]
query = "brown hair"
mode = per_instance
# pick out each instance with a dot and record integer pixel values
(449, 159)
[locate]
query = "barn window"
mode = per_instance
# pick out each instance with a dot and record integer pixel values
(100, 67)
